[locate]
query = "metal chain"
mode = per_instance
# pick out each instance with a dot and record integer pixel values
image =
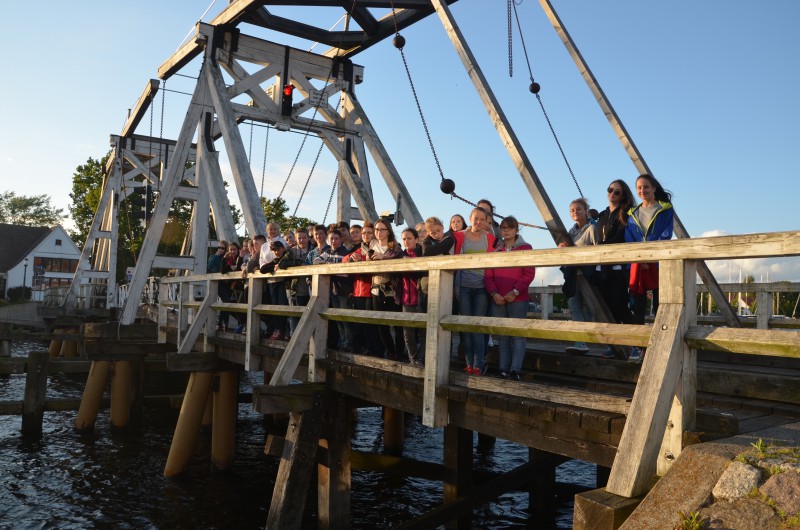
(541, 104)
(313, 166)
(330, 199)
(510, 41)
(250, 147)
(264, 164)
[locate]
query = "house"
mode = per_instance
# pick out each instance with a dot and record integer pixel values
(38, 256)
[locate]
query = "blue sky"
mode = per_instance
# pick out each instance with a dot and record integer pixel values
(706, 90)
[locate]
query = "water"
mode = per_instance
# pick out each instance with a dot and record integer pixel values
(113, 479)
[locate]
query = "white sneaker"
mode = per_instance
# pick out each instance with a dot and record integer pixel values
(635, 356)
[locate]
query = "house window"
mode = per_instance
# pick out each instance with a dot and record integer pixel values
(58, 242)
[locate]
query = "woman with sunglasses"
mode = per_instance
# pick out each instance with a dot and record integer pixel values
(652, 220)
(613, 279)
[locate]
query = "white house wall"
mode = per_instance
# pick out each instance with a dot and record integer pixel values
(47, 248)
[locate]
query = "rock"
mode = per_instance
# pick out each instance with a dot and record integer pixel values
(736, 481)
(784, 489)
(741, 514)
(769, 462)
(791, 467)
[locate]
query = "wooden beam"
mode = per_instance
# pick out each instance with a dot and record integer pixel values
(333, 468)
(271, 399)
(168, 189)
(437, 348)
(35, 392)
(635, 461)
(140, 109)
(240, 165)
(294, 472)
(750, 341)
(299, 342)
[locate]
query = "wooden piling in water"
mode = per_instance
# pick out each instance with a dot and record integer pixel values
(458, 468)
(35, 390)
(55, 344)
(334, 468)
(188, 427)
(121, 394)
(393, 430)
(92, 396)
(223, 429)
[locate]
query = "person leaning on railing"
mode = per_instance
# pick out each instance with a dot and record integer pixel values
(652, 220)
(383, 286)
(365, 336)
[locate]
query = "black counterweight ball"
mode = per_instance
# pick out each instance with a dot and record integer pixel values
(447, 186)
(399, 41)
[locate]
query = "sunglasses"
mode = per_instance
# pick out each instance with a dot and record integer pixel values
(614, 192)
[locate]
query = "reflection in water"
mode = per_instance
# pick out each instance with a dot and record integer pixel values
(115, 478)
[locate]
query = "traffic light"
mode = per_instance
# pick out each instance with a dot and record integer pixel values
(286, 100)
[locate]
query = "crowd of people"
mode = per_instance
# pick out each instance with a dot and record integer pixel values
(478, 292)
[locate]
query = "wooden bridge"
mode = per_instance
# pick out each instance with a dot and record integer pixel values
(637, 436)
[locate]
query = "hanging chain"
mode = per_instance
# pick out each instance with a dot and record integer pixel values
(330, 199)
(510, 41)
(250, 147)
(541, 104)
(313, 166)
(264, 164)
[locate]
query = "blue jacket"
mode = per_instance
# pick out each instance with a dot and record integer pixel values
(660, 227)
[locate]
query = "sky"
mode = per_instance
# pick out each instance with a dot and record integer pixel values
(707, 90)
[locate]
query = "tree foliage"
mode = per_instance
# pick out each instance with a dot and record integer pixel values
(34, 210)
(275, 211)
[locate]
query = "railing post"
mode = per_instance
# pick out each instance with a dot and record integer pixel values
(437, 348)
(212, 293)
(163, 296)
(184, 294)
(684, 402)
(763, 309)
(547, 305)
(318, 345)
(255, 292)
(668, 362)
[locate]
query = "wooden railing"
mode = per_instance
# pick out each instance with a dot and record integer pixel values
(663, 404)
(764, 318)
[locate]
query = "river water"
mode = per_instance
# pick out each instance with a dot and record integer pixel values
(114, 479)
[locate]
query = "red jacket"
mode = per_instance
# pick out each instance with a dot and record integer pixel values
(362, 283)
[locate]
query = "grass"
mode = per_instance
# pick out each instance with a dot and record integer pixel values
(691, 521)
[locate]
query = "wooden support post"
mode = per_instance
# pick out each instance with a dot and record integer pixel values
(547, 305)
(333, 470)
(679, 287)
(458, 468)
(92, 395)
(255, 294)
(5, 348)
(208, 412)
(486, 443)
(121, 394)
(393, 430)
(437, 348)
(541, 495)
(601, 510)
(188, 427)
(71, 346)
(763, 309)
(638, 450)
(297, 464)
(35, 391)
(55, 344)
(223, 430)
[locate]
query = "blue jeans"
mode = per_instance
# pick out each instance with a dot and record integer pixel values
(473, 301)
(580, 312)
(512, 349)
(277, 295)
(297, 300)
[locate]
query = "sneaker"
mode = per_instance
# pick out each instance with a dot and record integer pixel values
(578, 349)
(239, 329)
(468, 369)
(515, 376)
(635, 356)
(276, 335)
(503, 375)
(607, 354)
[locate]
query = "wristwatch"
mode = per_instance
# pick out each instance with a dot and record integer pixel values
(516, 293)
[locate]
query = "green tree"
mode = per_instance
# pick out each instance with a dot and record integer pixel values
(87, 183)
(275, 211)
(34, 210)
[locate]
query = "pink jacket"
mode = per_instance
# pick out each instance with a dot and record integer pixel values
(503, 281)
